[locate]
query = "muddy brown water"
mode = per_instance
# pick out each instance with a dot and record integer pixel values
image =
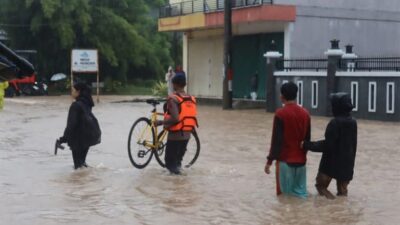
(225, 186)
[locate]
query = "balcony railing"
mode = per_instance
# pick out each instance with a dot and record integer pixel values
(189, 7)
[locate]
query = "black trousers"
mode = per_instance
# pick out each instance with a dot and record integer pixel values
(174, 152)
(79, 156)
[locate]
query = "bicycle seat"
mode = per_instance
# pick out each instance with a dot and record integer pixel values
(152, 102)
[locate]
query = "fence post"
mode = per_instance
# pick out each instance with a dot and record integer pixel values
(334, 55)
(270, 94)
(227, 92)
(349, 59)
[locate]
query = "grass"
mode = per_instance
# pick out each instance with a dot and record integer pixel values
(131, 89)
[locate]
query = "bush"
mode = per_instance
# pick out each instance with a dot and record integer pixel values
(149, 83)
(66, 83)
(138, 81)
(160, 89)
(143, 83)
(111, 85)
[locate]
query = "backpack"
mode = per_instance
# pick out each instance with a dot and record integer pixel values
(91, 132)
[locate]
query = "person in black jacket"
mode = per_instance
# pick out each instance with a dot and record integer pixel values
(74, 130)
(338, 149)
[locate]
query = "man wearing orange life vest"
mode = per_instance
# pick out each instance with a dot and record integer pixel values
(179, 120)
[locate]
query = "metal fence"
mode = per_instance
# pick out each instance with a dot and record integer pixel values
(370, 64)
(189, 7)
(302, 64)
(359, 64)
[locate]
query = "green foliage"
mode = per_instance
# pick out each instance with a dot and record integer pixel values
(123, 31)
(131, 89)
(66, 83)
(149, 83)
(160, 89)
(111, 85)
(144, 83)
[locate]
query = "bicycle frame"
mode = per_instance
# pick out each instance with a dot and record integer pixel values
(158, 140)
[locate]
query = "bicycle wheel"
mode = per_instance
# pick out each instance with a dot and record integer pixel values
(160, 153)
(191, 155)
(140, 136)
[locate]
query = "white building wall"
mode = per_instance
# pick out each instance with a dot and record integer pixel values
(356, 22)
(310, 36)
(205, 66)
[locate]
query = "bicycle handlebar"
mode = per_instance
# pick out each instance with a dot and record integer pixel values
(152, 102)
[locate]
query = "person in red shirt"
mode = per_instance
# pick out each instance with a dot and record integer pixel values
(291, 126)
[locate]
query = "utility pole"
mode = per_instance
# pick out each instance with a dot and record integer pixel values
(228, 76)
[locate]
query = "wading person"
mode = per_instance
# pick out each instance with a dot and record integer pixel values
(291, 127)
(179, 120)
(168, 78)
(338, 149)
(254, 86)
(82, 129)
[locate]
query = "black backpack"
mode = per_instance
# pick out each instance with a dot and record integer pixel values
(91, 132)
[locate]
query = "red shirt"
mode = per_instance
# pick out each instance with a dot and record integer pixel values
(291, 127)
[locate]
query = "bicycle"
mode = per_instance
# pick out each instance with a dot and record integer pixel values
(143, 142)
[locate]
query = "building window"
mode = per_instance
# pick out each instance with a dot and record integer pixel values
(300, 93)
(354, 95)
(390, 91)
(372, 97)
(314, 94)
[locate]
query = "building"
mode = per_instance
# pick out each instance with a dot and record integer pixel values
(300, 28)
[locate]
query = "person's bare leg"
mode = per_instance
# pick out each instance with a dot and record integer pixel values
(322, 183)
(342, 187)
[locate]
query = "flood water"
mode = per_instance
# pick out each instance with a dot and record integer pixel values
(226, 185)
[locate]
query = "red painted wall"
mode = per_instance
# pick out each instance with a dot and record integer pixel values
(254, 14)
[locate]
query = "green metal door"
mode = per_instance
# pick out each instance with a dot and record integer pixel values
(248, 58)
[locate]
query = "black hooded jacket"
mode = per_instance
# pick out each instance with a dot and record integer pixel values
(340, 144)
(73, 131)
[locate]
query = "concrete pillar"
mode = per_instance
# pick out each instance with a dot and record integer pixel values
(270, 95)
(349, 58)
(334, 55)
(185, 60)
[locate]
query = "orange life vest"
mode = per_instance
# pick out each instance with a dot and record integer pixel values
(187, 114)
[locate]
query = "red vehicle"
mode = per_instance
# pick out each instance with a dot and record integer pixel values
(20, 73)
(26, 86)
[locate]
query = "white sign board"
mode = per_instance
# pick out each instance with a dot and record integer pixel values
(84, 61)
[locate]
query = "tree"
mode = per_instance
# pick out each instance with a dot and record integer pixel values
(123, 31)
